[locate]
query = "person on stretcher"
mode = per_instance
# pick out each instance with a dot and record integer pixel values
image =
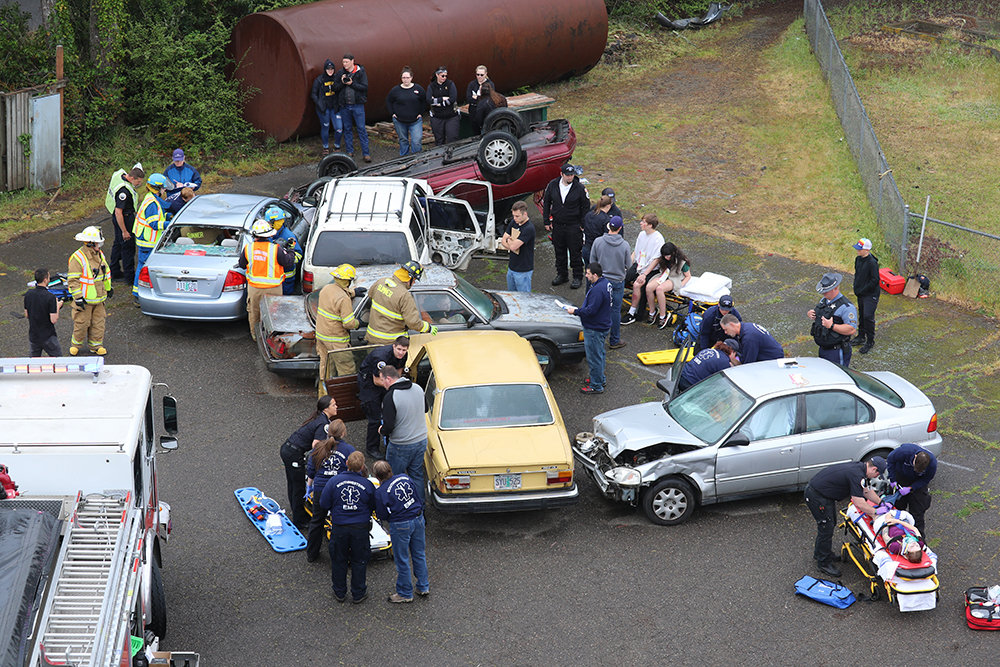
(902, 538)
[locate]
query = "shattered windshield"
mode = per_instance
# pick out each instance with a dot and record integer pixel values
(709, 409)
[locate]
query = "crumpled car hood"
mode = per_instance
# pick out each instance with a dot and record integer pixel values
(639, 426)
(530, 307)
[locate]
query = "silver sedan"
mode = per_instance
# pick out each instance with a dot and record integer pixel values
(192, 273)
(751, 430)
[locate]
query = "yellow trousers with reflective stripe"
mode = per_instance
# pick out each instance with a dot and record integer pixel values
(88, 325)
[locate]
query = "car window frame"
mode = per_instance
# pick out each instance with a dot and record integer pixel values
(858, 400)
(863, 379)
(541, 385)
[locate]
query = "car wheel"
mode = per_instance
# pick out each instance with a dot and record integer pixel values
(880, 484)
(546, 354)
(317, 185)
(499, 152)
(158, 607)
(669, 502)
(507, 120)
(336, 164)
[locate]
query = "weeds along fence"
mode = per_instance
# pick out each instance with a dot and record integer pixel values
(962, 263)
(891, 211)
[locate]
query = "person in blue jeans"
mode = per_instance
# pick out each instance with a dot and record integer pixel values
(351, 85)
(396, 502)
(403, 426)
(612, 252)
(350, 499)
(406, 104)
(324, 97)
(595, 315)
(519, 240)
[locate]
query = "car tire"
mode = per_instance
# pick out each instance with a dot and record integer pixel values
(318, 184)
(158, 602)
(545, 349)
(669, 502)
(336, 164)
(499, 153)
(880, 484)
(507, 120)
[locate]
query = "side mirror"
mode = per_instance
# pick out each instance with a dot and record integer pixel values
(738, 439)
(667, 386)
(168, 442)
(311, 200)
(170, 415)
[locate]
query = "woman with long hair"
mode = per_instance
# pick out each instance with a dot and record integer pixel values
(328, 459)
(674, 272)
(489, 101)
(293, 455)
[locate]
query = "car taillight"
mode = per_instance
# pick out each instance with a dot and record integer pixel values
(144, 280)
(559, 476)
(457, 482)
(307, 282)
(235, 281)
(932, 426)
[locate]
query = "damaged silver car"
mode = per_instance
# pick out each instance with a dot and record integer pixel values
(751, 430)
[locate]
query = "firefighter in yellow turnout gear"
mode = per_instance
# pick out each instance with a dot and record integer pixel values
(393, 309)
(334, 320)
(89, 281)
(265, 263)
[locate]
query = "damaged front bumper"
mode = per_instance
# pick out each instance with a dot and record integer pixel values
(615, 481)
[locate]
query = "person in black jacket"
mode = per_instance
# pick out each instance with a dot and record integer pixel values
(406, 104)
(324, 97)
(442, 98)
(351, 85)
(293, 455)
(473, 94)
(563, 207)
(866, 288)
(490, 100)
(595, 223)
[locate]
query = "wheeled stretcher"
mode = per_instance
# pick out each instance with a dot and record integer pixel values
(913, 586)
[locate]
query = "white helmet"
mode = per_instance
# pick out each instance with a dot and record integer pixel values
(262, 229)
(91, 235)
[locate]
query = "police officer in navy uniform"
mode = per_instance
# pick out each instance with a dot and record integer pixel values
(835, 320)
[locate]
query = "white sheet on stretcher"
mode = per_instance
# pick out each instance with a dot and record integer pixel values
(708, 287)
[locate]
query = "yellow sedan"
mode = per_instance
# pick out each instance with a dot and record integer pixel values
(496, 441)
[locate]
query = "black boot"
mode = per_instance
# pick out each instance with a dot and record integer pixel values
(858, 341)
(559, 280)
(867, 346)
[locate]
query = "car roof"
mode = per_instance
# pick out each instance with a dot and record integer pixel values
(220, 209)
(483, 357)
(765, 378)
(435, 275)
(372, 199)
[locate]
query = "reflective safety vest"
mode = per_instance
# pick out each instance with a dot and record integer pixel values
(149, 222)
(335, 315)
(117, 181)
(393, 312)
(263, 269)
(91, 283)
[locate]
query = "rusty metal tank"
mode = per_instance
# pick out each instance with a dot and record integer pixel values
(522, 43)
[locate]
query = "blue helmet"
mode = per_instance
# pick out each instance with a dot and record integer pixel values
(157, 181)
(275, 213)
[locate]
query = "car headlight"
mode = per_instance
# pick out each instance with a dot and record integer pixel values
(624, 476)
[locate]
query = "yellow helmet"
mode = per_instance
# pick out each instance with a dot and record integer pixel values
(344, 272)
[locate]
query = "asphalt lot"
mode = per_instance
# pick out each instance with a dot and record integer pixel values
(592, 584)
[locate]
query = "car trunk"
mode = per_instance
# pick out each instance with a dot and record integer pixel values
(199, 277)
(504, 451)
(288, 331)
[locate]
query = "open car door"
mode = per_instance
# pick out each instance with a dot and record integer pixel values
(461, 223)
(668, 385)
(342, 385)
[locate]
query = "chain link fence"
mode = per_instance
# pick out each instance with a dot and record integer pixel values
(891, 211)
(962, 263)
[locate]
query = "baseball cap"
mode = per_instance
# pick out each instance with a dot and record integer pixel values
(863, 244)
(608, 192)
(178, 155)
(733, 344)
(878, 462)
(615, 222)
(726, 301)
(568, 169)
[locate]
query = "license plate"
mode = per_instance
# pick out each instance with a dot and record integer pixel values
(187, 285)
(507, 482)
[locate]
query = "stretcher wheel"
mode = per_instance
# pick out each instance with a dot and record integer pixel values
(876, 593)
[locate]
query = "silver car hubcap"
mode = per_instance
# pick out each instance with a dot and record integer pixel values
(670, 504)
(499, 154)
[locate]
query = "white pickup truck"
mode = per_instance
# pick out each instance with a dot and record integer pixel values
(366, 221)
